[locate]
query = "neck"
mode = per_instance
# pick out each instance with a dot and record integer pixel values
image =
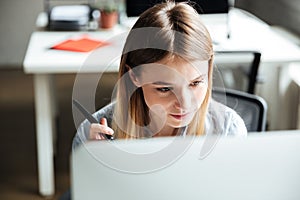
(167, 131)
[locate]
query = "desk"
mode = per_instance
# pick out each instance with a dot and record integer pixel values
(43, 63)
(247, 33)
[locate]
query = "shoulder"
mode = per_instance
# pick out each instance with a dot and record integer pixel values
(221, 119)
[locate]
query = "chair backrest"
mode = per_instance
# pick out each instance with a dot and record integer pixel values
(251, 73)
(251, 108)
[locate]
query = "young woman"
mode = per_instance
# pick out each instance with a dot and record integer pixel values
(165, 82)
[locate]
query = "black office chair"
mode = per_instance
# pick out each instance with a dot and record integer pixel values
(250, 71)
(251, 108)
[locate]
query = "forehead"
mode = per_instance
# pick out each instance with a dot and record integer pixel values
(174, 70)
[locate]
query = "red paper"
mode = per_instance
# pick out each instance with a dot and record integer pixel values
(80, 45)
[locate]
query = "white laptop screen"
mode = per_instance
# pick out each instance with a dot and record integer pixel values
(262, 166)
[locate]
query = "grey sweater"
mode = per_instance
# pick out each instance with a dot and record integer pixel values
(219, 119)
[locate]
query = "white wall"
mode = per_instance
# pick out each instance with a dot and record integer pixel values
(17, 21)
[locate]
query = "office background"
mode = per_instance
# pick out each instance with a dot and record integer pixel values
(17, 21)
(18, 171)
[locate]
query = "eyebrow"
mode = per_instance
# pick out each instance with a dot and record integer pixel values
(198, 77)
(161, 83)
(166, 83)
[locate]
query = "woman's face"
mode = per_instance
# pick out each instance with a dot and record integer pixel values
(173, 90)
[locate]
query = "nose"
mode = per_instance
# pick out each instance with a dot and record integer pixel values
(184, 99)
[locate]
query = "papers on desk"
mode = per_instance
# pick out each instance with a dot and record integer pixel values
(81, 44)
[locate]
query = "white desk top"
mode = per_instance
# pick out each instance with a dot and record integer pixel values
(250, 33)
(41, 59)
(247, 33)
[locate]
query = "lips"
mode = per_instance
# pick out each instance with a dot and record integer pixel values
(179, 116)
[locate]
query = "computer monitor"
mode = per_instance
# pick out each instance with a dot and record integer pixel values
(261, 166)
(136, 7)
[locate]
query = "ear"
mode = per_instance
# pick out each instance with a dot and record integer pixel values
(134, 78)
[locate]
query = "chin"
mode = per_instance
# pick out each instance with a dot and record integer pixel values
(179, 124)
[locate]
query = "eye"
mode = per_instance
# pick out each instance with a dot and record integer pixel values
(196, 83)
(164, 89)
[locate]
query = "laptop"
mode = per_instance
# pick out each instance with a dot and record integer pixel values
(262, 166)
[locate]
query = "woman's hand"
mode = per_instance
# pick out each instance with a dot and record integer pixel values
(96, 129)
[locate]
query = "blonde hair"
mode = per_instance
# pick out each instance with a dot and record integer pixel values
(178, 32)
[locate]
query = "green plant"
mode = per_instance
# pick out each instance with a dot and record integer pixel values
(107, 6)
